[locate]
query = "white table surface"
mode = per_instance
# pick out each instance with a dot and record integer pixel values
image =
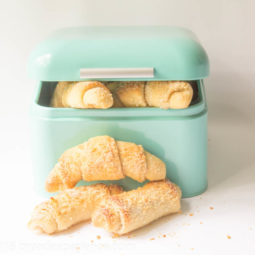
(221, 220)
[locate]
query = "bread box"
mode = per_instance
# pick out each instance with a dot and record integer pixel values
(177, 136)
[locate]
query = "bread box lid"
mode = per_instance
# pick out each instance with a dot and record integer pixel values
(119, 53)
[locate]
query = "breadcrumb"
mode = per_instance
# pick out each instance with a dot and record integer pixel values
(114, 235)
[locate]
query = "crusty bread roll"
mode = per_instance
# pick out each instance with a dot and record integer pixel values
(103, 158)
(69, 207)
(56, 100)
(94, 94)
(168, 94)
(113, 86)
(163, 94)
(87, 94)
(131, 94)
(130, 210)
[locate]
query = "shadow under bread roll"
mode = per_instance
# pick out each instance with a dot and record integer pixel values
(130, 210)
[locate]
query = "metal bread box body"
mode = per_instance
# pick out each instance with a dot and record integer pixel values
(178, 137)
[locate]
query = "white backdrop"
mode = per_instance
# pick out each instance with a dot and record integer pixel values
(226, 29)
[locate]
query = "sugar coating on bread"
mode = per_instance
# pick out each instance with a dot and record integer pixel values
(69, 207)
(86, 94)
(156, 168)
(131, 94)
(130, 210)
(97, 98)
(168, 94)
(133, 160)
(104, 158)
(101, 160)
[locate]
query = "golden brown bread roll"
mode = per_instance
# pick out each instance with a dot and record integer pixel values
(56, 100)
(168, 94)
(94, 94)
(131, 94)
(133, 160)
(69, 207)
(163, 94)
(103, 158)
(113, 86)
(130, 210)
(87, 94)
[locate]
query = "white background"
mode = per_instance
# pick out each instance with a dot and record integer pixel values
(226, 29)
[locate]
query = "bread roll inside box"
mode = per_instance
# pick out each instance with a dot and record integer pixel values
(177, 136)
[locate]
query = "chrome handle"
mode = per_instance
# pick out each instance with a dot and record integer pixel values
(143, 72)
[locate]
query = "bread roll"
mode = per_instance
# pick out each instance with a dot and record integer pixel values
(168, 94)
(87, 94)
(69, 207)
(102, 158)
(130, 210)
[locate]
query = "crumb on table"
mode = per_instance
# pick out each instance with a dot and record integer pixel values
(211, 207)
(114, 235)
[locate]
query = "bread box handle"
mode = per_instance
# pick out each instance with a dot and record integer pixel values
(96, 73)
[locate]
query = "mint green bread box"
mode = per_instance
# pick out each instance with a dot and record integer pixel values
(177, 136)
